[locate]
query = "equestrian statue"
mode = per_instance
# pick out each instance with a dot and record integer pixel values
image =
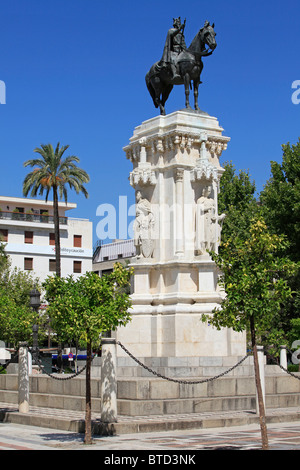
(180, 65)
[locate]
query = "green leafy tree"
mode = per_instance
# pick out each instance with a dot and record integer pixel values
(82, 309)
(15, 321)
(54, 173)
(237, 200)
(16, 315)
(4, 259)
(280, 200)
(252, 278)
(18, 284)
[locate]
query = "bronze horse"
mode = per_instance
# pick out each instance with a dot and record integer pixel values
(189, 66)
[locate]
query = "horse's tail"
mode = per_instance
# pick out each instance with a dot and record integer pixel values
(151, 89)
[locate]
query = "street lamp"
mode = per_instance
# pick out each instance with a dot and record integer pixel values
(35, 302)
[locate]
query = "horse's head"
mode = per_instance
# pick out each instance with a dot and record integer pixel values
(208, 35)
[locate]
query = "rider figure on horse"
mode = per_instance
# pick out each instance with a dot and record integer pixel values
(174, 45)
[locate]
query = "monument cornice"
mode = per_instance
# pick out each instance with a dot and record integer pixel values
(187, 263)
(176, 140)
(181, 130)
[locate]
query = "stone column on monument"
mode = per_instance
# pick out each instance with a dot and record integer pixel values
(143, 153)
(179, 242)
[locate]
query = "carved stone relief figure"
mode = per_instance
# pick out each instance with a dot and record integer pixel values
(143, 227)
(208, 223)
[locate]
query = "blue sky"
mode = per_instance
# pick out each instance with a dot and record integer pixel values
(74, 73)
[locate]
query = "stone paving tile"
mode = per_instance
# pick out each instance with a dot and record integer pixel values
(282, 436)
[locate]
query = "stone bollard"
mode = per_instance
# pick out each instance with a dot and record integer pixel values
(261, 365)
(283, 357)
(23, 378)
(109, 381)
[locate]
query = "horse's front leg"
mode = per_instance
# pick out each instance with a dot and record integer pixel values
(196, 93)
(187, 82)
(158, 104)
(162, 109)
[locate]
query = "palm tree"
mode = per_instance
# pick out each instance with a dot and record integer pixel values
(54, 172)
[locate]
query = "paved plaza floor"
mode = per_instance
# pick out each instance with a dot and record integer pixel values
(173, 443)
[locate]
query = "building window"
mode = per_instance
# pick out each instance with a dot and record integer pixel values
(77, 267)
(77, 241)
(52, 265)
(51, 238)
(29, 237)
(28, 264)
(3, 235)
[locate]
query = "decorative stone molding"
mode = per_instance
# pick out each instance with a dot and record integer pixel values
(205, 170)
(215, 146)
(179, 174)
(161, 144)
(142, 176)
(137, 151)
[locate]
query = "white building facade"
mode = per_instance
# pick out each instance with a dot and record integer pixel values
(27, 229)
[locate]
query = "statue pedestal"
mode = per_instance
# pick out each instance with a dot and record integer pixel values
(176, 174)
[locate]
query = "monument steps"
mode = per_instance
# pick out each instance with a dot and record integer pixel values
(147, 404)
(137, 407)
(53, 401)
(142, 396)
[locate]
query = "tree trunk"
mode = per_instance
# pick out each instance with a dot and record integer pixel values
(88, 404)
(261, 406)
(59, 358)
(56, 231)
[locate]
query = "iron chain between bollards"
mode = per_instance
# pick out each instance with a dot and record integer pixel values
(69, 377)
(192, 382)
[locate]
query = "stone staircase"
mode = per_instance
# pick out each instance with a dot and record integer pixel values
(184, 366)
(149, 396)
(152, 404)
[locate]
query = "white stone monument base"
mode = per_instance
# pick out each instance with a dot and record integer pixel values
(168, 302)
(176, 176)
(177, 331)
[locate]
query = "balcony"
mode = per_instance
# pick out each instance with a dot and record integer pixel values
(31, 217)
